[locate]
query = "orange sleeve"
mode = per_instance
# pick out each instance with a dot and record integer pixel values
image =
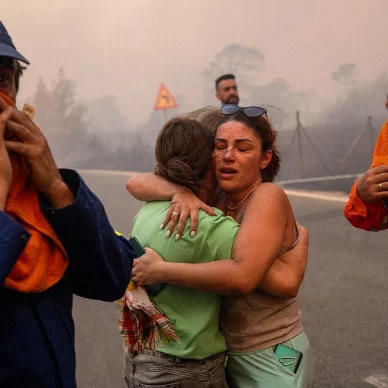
(369, 216)
(380, 153)
(362, 215)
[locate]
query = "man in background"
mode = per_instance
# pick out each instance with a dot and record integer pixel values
(226, 89)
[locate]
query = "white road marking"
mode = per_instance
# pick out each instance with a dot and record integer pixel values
(315, 195)
(109, 172)
(379, 381)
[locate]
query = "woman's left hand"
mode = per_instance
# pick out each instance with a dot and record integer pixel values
(185, 204)
(148, 269)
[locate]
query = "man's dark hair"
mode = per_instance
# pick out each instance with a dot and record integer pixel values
(19, 72)
(224, 77)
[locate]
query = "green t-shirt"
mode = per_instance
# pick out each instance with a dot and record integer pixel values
(194, 314)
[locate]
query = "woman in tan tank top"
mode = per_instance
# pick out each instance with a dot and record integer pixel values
(262, 308)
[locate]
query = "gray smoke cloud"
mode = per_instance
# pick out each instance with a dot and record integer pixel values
(345, 72)
(300, 57)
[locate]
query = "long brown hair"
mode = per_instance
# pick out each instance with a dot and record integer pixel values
(208, 116)
(183, 152)
(264, 131)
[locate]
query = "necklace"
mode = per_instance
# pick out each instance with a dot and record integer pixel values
(241, 202)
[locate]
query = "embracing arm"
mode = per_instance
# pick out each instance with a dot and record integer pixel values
(286, 274)
(256, 247)
(150, 187)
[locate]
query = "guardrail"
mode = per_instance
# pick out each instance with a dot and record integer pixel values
(320, 179)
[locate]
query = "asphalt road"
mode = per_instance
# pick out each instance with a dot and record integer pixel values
(344, 298)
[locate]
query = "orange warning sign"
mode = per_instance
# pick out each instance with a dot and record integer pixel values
(164, 100)
(29, 111)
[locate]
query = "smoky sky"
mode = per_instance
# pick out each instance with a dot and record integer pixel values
(126, 48)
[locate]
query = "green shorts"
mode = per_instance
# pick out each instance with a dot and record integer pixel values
(261, 369)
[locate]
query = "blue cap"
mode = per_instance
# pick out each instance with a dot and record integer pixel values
(7, 48)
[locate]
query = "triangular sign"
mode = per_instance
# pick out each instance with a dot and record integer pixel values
(29, 111)
(164, 100)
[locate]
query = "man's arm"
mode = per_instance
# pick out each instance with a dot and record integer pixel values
(366, 207)
(13, 239)
(371, 216)
(100, 261)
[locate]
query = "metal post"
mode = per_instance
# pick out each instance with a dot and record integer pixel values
(299, 139)
(372, 135)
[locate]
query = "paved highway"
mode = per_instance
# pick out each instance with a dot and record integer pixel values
(344, 298)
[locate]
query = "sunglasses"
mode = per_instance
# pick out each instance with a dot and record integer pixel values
(249, 111)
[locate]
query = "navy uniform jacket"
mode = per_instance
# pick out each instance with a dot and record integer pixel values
(37, 330)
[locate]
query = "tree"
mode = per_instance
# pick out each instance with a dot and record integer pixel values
(361, 99)
(62, 119)
(89, 136)
(243, 61)
(281, 101)
(107, 122)
(139, 156)
(345, 73)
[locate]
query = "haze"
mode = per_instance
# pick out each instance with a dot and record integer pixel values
(127, 48)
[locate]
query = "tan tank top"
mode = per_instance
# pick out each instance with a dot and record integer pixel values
(260, 320)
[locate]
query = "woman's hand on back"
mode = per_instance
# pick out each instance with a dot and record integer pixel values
(184, 204)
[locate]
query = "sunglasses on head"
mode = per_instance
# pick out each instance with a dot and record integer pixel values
(249, 111)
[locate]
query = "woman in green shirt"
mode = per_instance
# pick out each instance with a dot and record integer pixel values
(183, 154)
